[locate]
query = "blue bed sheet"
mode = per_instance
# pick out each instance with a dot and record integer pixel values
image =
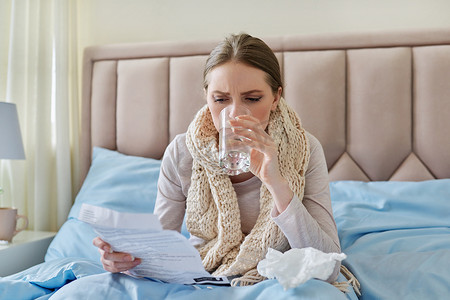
(43, 280)
(72, 269)
(396, 236)
(78, 278)
(403, 264)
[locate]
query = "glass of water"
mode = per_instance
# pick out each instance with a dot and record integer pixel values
(234, 155)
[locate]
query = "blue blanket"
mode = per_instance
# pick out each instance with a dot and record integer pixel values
(78, 278)
(396, 236)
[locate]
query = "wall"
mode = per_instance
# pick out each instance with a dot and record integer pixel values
(118, 21)
(122, 21)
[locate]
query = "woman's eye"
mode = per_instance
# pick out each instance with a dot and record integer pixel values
(253, 98)
(219, 99)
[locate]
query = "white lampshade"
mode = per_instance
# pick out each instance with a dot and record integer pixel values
(11, 146)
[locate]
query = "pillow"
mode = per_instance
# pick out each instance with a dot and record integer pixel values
(396, 236)
(116, 181)
(121, 182)
(360, 208)
(74, 239)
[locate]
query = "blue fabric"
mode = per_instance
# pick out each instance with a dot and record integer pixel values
(74, 238)
(365, 207)
(75, 278)
(116, 181)
(41, 281)
(121, 182)
(396, 236)
(122, 287)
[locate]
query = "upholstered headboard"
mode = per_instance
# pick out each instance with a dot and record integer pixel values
(378, 102)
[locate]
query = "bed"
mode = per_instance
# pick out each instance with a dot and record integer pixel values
(379, 102)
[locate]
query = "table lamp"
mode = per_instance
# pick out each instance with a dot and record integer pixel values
(11, 146)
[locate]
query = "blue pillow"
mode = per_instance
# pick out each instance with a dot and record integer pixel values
(121, 182)
(395, 232)
(361, 208)
(74, 239)
(116, 181)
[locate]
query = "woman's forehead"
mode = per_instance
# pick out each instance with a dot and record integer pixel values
(230, 75)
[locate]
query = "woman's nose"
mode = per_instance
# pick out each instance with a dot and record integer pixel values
(234, 111)
(238, 110)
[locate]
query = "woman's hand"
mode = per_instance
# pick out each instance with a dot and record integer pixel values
(264, 159)
(114, 262)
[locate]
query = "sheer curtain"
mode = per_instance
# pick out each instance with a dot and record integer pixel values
(38, 72)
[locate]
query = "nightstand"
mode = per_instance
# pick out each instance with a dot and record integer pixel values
(27, 249)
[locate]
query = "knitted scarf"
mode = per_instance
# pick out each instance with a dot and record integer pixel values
(212, 207)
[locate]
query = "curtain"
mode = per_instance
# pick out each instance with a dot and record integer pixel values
(38, 72)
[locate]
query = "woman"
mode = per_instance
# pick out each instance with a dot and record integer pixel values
(282, 203)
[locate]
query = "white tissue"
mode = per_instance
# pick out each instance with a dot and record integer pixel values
(296, 266)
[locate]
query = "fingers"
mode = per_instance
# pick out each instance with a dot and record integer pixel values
(118, 261)
(101, 244)
(248, 122)
(114, 261)
(264, 154)
(253, 134)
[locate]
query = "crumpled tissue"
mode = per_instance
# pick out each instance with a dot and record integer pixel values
(296, 266)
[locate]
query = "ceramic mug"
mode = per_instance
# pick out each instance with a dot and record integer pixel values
(8, 223)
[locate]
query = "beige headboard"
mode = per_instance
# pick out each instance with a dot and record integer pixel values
(378, 102)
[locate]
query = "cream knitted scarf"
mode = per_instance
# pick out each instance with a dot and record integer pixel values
(212, 207)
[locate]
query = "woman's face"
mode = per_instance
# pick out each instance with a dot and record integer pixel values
(239, 84)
